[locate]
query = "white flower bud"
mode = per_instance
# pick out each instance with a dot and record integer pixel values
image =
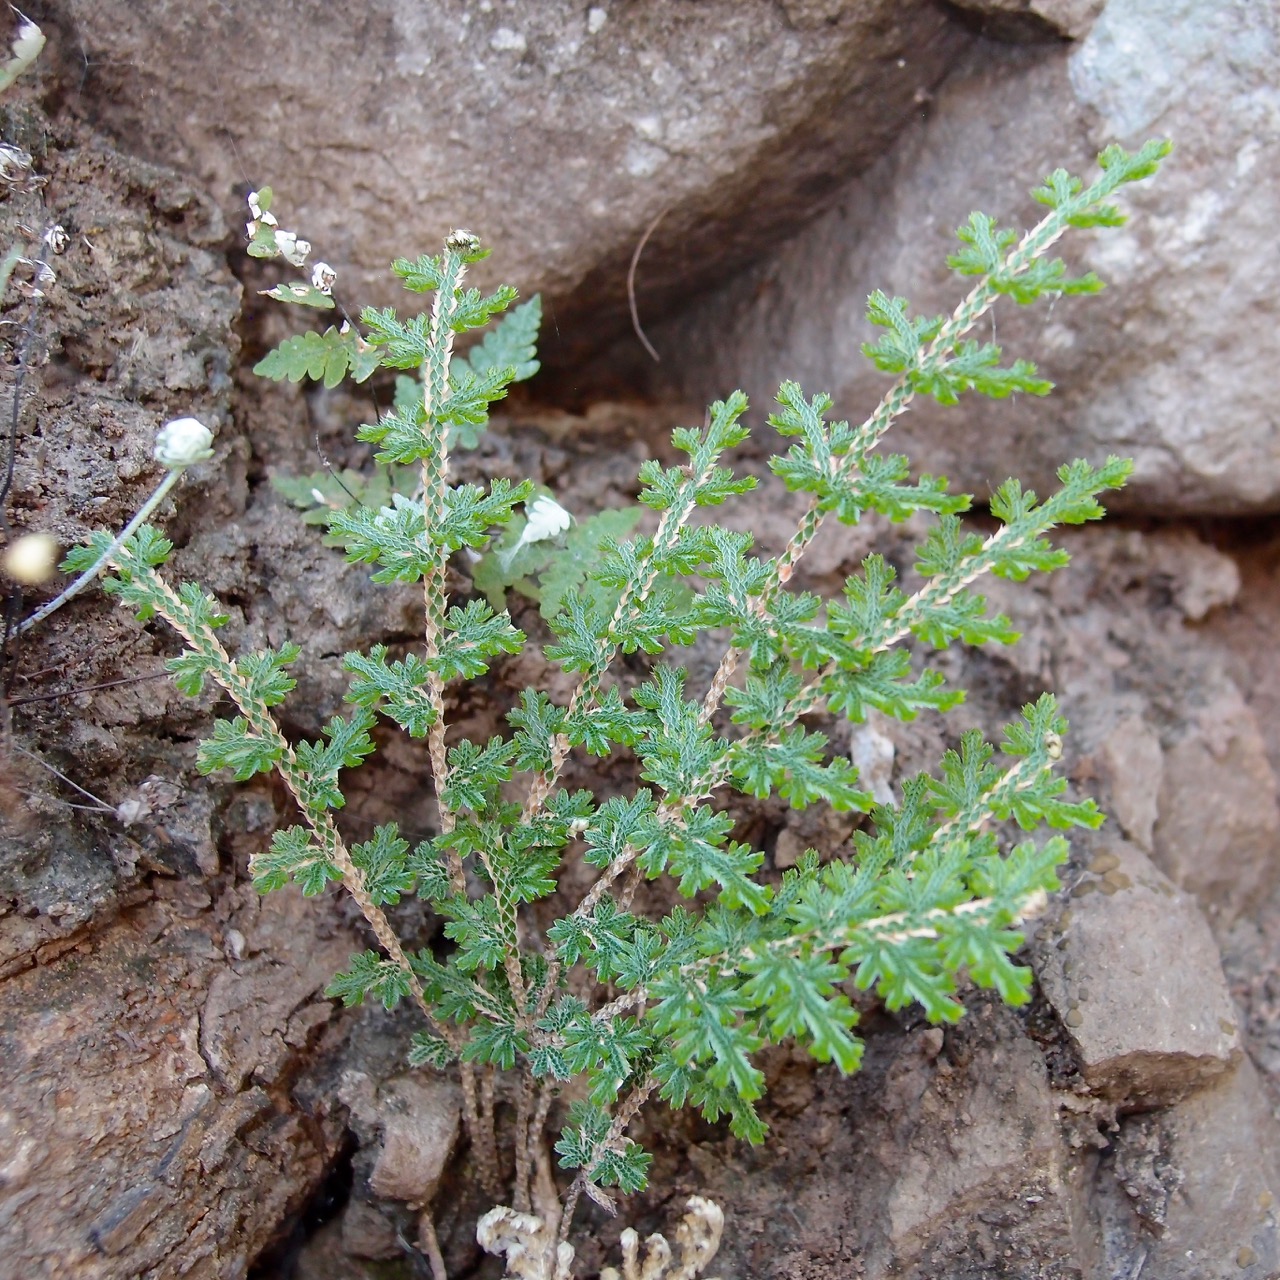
(32, 559)
(544, 518)
(323, 277)
(254, 207)
(461, 241)
(182, 442)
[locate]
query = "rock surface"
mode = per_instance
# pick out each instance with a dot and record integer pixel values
(1191, 1190)
(1134, 974)
(156, 1015)
(1142, 371)
(146, 1127)
(559, 131)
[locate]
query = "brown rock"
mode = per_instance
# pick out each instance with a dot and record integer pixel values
(1194, 1187)
(1134, 765)
(1136, 979)
(558, 131)
(420, 1116)
(121, 1152)
(1033, 19)
(367, 1233)
(1219, 826)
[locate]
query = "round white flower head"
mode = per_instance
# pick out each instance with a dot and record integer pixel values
(32, 559)
(182, 442)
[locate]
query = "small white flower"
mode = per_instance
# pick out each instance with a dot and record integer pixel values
(254, 207)
(182, 442)
(399, 503)
(545, 518)
(323, 277)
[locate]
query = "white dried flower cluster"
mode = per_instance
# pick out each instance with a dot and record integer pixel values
(291, 246)
(527, 1243)
(697, 1237)
(323, 277)
(462, 241)
(183, 442)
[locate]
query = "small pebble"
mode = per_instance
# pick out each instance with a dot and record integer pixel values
(1103, 863)
(1074, 1018)
(1246, 1256)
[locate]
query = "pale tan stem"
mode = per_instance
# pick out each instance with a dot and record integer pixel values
(222, 669)
(892, 404)
(429, 1245)
(625, 1114)
(484, 1152)
(520, 1197)
(435, 476)
(488, 1133)
(588, 685)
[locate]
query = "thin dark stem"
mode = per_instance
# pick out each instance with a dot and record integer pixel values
(86, 688)
(98, 802)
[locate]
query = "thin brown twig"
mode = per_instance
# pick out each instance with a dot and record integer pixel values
(85, 688)
(631, 285)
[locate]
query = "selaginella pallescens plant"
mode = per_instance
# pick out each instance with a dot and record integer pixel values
(632, 1008)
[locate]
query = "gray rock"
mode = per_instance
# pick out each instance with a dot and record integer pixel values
(1219, 823)
(1148, 369)
(1134, 764)
(1133, 973)
(1190, 1190)
(557, 131)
